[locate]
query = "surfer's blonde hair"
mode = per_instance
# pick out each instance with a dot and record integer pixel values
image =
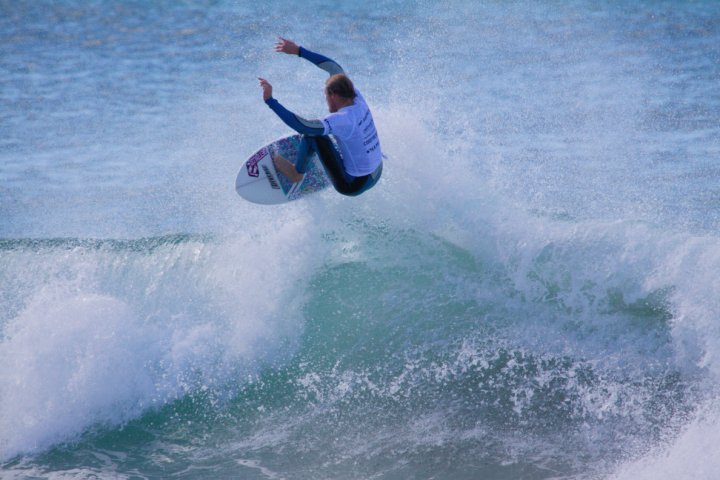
(340, 85)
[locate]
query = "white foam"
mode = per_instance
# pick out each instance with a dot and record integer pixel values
(692, 455)
(104, 334)
(69, 362)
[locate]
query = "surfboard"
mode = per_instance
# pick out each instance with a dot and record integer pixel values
(258, 180)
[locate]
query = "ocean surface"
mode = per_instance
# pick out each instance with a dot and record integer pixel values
(532, 291)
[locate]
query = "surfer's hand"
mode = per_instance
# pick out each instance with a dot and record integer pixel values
(266, 88)
(283, 45)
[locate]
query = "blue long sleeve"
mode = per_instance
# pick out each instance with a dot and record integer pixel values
(321, 61)
(297, 123)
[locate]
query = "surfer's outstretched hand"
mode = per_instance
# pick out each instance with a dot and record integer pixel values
(283, 45)
(266, 88)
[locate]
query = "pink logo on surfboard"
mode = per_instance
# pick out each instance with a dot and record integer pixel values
(252, 164)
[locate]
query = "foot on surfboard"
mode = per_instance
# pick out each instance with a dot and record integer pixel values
(286, 167)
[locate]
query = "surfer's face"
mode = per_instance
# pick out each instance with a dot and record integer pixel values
(331, 99)
(335, 102)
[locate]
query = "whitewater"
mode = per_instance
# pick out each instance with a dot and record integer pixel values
(530, 291)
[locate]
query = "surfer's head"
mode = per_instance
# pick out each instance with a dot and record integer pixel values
(339, 92)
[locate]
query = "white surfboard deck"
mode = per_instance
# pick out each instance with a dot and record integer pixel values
(258, 180)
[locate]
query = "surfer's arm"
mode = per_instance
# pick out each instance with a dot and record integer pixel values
(283, 45)
(297, 123)
(321, 61)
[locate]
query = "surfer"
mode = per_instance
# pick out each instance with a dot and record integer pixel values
(358, 165)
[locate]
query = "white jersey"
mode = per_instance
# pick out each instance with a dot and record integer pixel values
(354, 130)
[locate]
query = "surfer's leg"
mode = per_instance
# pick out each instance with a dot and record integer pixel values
(295, 172)
(305, 149)
(372, 179)
(286, 167)
(332, 161)
(343, 183)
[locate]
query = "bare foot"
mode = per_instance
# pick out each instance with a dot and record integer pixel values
(286, 167)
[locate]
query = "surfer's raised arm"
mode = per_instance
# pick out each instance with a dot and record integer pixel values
(284, 45)
(296, 122)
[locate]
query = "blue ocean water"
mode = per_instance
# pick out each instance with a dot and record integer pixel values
(530, 292)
